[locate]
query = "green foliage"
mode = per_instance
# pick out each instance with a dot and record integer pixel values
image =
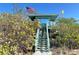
(68, 32)
(16, 34)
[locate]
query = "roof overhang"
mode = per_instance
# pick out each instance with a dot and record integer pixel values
(51, 17)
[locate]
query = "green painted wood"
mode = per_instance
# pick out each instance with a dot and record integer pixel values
(50, 17)
(42, 42)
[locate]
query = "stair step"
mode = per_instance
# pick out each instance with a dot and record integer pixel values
(42, 43)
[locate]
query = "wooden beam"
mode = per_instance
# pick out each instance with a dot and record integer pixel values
(51, 17)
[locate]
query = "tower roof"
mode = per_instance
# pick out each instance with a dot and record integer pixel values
(51, 17)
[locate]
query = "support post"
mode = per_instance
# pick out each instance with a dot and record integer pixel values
(48, 37)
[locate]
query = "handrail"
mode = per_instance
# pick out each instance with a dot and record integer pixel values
(36, 40)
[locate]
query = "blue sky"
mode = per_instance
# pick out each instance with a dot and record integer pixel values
(70, 9)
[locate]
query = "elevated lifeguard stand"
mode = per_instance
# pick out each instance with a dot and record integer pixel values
(42, 41)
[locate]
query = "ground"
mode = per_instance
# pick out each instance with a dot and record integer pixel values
(65, 51)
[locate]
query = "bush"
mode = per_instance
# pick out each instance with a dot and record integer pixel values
(16, 34)
(68, 32)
